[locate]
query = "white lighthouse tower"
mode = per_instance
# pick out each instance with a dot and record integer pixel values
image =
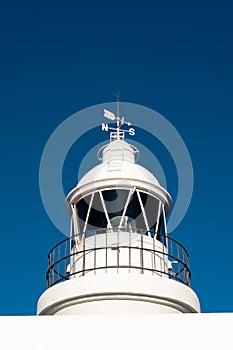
(118, 258)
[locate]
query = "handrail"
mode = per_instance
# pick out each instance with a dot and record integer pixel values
(168, 260)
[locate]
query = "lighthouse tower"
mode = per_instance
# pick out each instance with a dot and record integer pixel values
(118, 258)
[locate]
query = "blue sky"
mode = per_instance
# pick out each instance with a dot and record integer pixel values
(60, 57)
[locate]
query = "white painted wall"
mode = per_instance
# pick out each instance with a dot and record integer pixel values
(177, 331)
(91, 295)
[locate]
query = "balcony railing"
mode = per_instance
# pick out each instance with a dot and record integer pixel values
(159, 255)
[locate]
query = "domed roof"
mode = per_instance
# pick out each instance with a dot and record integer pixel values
(118, 162)
(118, 169)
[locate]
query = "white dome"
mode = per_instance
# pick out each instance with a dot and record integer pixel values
(118, 163)
(118, 169)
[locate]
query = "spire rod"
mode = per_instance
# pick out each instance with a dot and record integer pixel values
(117, 94)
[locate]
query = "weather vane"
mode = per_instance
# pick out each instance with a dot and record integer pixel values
(117, 133)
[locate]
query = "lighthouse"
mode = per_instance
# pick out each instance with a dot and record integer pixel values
(118, 258)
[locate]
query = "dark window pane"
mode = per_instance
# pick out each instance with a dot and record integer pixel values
(82, 208)
(134, 208)
(115, 201)
(161, 224)
(161, 230)
(151, 207)
(97, 218)
(134, 211)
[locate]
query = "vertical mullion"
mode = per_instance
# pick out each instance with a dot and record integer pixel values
(126, 205)
(143, 211)
(165, 225)
(157, 233)
(164, 242)
(75, 220)
(88, 212)
(157, 222)
(105, 209)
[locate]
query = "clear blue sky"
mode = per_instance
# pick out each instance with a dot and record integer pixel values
(58, 57)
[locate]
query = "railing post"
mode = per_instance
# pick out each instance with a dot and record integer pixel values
(129, 249)
(95, 254)
(53, 277)
(106, 252)
(58, 267)
(65, 255)
(154, 260)
(141, 255)
(48, 273)
(84, 253)
(118, 251)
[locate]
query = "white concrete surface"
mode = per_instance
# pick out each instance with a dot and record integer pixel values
(180, 331)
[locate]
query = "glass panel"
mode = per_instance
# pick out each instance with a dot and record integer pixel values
(73, 238)
(151, 207)
(82, 208)
(115, 201)
(161, 230)
(97, 217)
(134, 211)
(161, 224)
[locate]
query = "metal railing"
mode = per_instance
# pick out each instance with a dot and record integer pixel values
(82, 254)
